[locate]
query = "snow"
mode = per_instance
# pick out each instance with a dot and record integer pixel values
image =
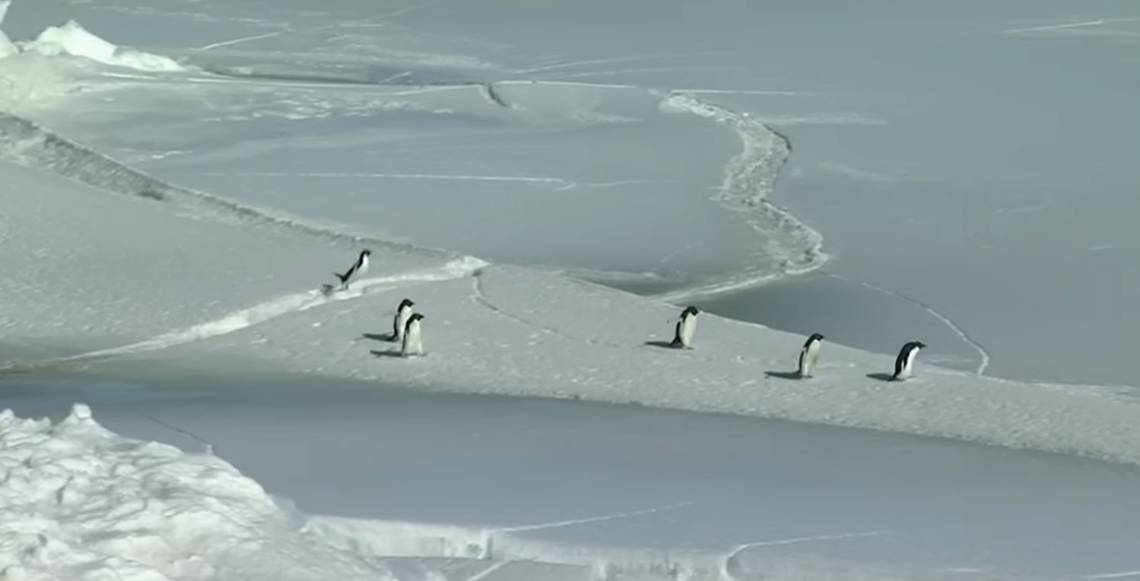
(155, 220)
(205, 284)
(6, 46)
(73, 40)
(80, 502)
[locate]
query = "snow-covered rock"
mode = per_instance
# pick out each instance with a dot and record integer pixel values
(72, 39)
(80, 502)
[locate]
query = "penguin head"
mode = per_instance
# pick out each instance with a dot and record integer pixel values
(815, 337)
(690, 311)
(365, 253)
(407, 303)
(919, 345)
(416, 317)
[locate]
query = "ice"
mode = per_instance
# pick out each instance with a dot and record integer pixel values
(513, 331)
(72, 39)
(154, 220)
(80, 502)
(6, 46)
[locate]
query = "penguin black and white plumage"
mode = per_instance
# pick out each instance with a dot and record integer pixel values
(686, 328)
(904, 363)
(403, 312)
(413, 336)
(809, 355)
(358, 268)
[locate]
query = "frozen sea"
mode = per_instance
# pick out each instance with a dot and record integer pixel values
(970, 157)
(651, 493)
(959, 173)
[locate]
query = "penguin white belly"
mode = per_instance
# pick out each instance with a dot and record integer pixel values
(363, 266)
(413, 340)
(688, 330)
(808, 358)
(401, 321)
(908, 365)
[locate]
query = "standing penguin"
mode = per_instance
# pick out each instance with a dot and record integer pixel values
(403, 312)
(358, 268)
(686, 328)
(809, 355)
(904, 363)
(413, 336)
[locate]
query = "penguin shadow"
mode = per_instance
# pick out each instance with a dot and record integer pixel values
(328, 290)
(785, 375)
(881, 376)
(666, 344)
(391, 353)
(387, 337)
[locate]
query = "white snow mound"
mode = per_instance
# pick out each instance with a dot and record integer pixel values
(80, 502)
(6, 46)
(74, 40)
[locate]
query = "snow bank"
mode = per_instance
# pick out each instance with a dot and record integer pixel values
(74, 40)
(6, 46)
(80, 502)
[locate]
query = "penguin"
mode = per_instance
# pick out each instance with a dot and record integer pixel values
(904, 363)
(686, 328)
(358, 268)
(413, 337)
(402, 313)
(809, 355)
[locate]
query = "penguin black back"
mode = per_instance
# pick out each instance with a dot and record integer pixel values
(905, 356)
(361, 260)
(814, 337)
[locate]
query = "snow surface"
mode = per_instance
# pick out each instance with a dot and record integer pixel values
(543, 487)
(80, 502)
(206, 261)
(500, 330)
(72, 39)
(6, 46)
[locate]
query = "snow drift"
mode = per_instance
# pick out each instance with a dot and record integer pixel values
(80, 502)
(73, 40)
(6, 46)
